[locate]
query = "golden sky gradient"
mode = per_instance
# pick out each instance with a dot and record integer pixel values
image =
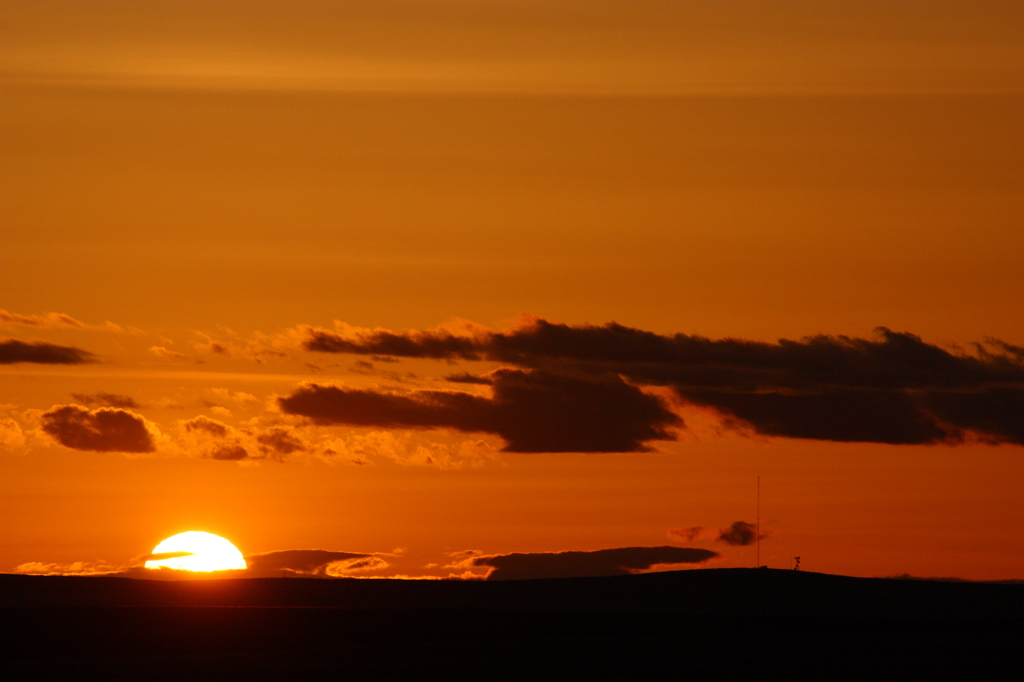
(190, 192)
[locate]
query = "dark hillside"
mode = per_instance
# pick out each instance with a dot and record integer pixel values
(727, 592)
(707, 624)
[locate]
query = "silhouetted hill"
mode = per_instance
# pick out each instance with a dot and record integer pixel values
(706, 624)
(729, 592)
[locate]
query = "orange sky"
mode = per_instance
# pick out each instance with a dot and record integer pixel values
(197, 187)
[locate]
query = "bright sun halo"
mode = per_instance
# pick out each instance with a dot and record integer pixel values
(205, 552)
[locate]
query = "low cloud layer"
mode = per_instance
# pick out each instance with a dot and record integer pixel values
(318, 563)
(604, 562)
(39, 352)
(102, 430)
(893, 388)
(73, 568)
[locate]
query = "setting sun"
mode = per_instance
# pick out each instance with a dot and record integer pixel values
(197, 551)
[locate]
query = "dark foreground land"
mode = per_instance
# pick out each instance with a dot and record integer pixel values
(706, 624)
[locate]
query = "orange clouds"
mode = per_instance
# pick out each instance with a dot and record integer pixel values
(11, 434)
(73, 568)
(251, 442)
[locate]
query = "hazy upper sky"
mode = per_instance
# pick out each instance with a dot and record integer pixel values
(663, 46)
(205, 206)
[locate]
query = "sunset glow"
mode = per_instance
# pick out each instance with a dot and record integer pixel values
(492, 289)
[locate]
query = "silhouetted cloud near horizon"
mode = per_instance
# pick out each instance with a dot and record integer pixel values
(602, 562)
(319, 563)
(161, 556)
(105, 429)
(534, 411)
(740, 534)
(893, 389)
(39, 352)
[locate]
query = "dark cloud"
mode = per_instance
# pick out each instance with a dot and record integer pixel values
(223, 451)
(362, 367)
(12, 351)
(102, 430)
(534, 411)
(604, 562)
(1016, 351)
(280, 441)
(466, 378)
(893, 417)
(740, 534)
(207, 425)
(228, 453)
(312, 562)
(893, 388)
(414, 344)
(274, 443)
(106, 399)
(996, 412)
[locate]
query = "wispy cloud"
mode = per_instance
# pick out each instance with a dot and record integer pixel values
(164, 352)
(53, 320)
(688, 534)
